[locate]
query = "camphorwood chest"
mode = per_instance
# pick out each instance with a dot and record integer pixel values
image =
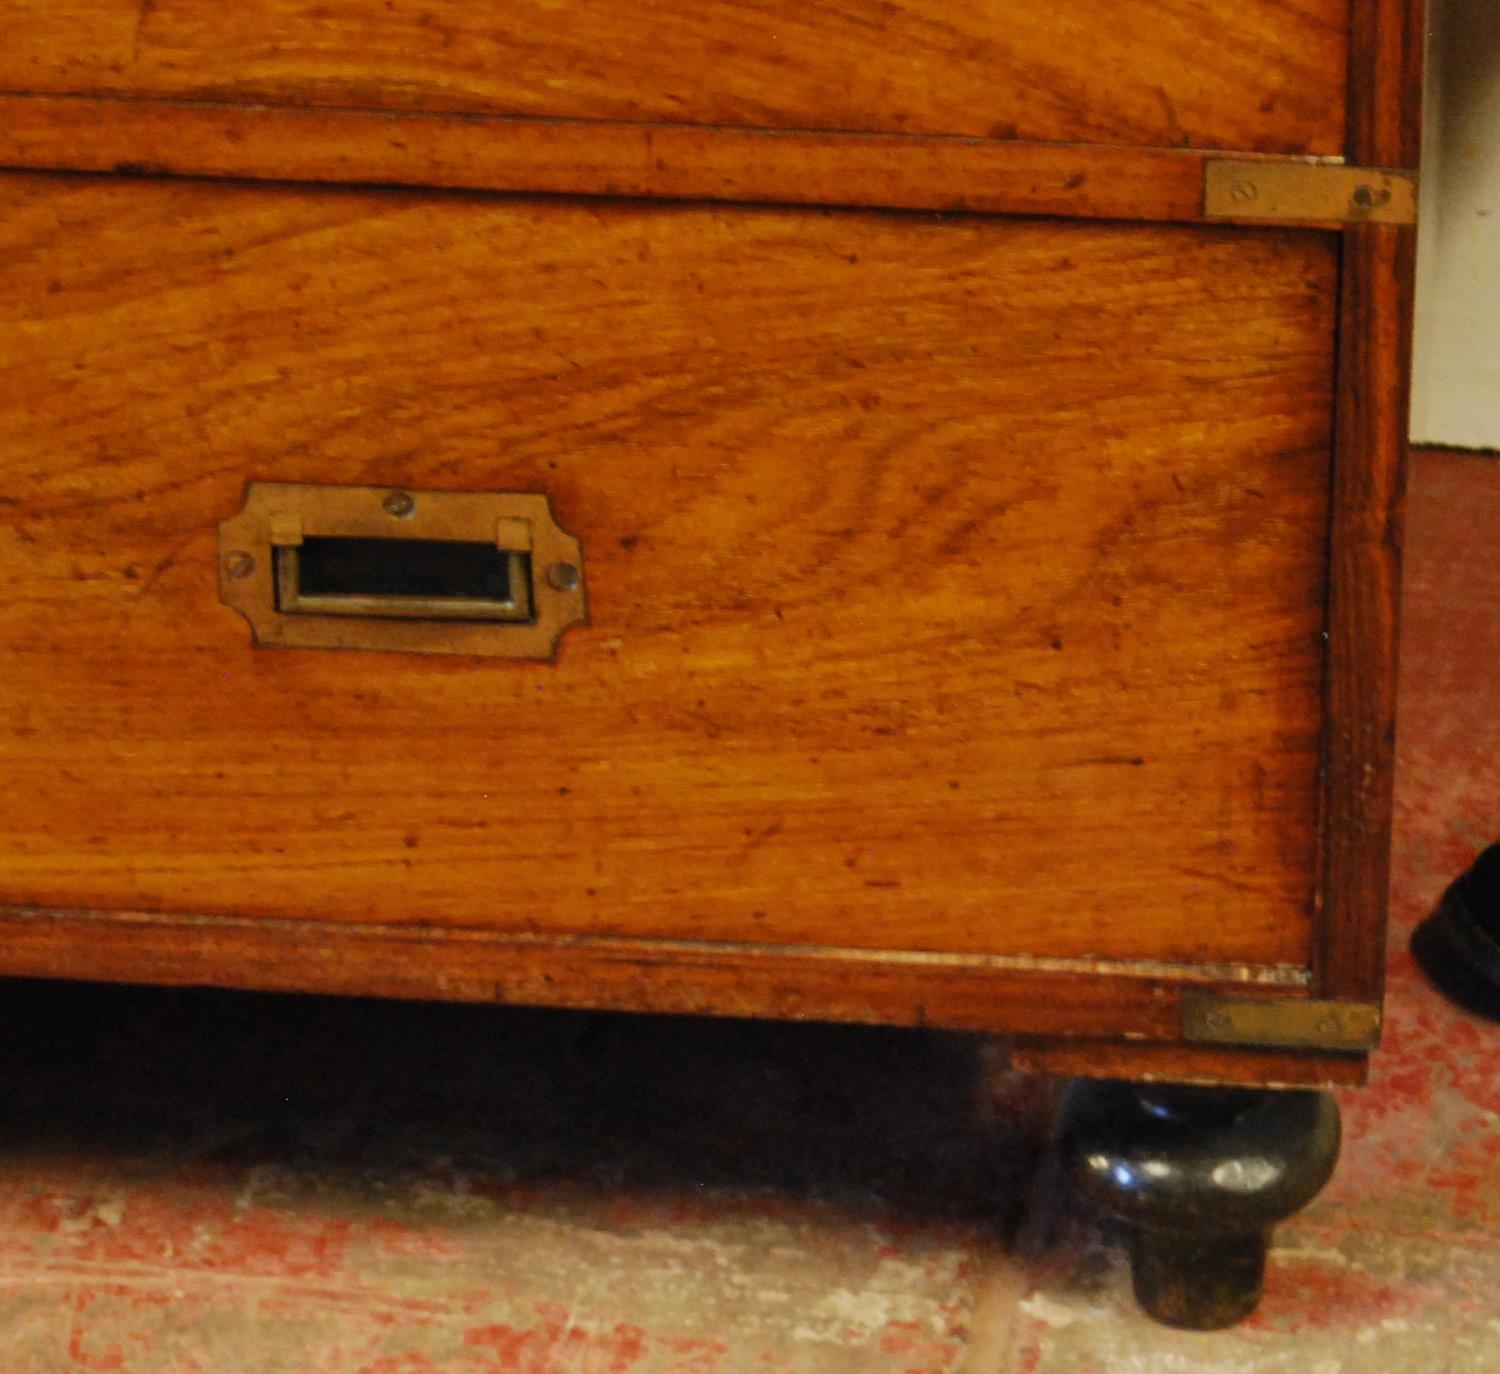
(980, 424)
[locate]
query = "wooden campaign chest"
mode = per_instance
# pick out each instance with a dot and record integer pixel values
(876, 512)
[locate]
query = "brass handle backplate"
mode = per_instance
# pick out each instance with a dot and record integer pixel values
(428, 572)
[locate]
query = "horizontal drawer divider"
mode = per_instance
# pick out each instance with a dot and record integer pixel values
(561, 157)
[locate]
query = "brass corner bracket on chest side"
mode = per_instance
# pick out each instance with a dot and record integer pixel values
(1308, 192)
(1279, 1022)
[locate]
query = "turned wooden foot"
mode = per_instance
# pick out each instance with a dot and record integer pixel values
(1200, 1175)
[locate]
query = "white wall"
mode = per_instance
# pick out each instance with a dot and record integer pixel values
(1456, 381)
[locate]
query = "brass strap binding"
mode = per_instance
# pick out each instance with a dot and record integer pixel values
(1308, 192)
(1292, 1023)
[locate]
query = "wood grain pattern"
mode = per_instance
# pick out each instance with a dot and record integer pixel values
(956, 584)
(1171, 73)
(1379, 263)
(665, 161)
(1385, 82)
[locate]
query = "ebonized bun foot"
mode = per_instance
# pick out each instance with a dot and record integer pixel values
(1200, 1175)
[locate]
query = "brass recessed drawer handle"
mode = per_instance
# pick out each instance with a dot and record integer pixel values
(425, 572)
(403, 579)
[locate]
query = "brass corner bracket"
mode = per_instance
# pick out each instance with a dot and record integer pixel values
(1293, 1023)
(1291, 192)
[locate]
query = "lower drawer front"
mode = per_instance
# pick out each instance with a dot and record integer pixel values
(955, 584)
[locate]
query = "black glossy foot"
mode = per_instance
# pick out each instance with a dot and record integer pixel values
(1200, 1175)
(1200, 1283)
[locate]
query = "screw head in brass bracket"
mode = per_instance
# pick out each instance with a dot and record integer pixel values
(1291, 192)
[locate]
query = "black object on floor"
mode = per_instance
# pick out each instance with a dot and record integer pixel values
(1200, 1176)
(1458, 946)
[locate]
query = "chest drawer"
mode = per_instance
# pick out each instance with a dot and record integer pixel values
(1169, 73)
(956, 585)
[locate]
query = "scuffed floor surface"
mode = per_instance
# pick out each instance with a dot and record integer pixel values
(204, 1182)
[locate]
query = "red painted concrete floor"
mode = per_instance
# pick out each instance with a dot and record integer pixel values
(212, 1182)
